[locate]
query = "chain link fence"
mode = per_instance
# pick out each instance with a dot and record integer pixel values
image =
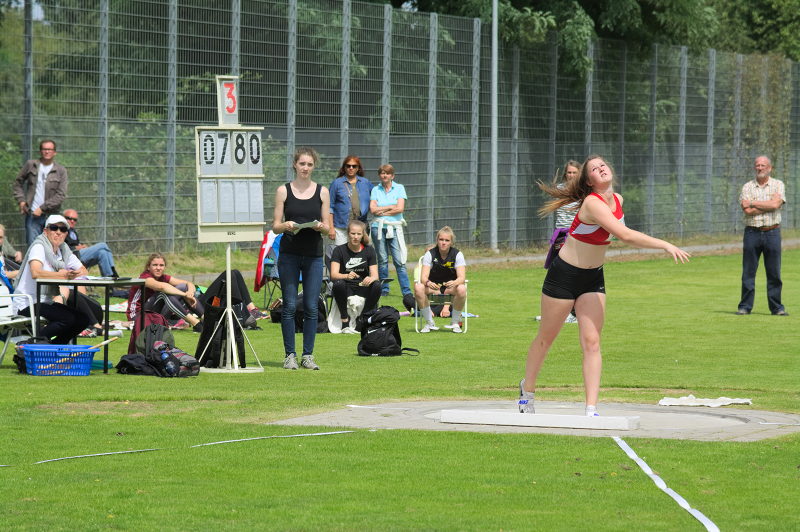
(120, 86)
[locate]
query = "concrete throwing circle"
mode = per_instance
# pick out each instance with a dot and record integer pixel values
(670, 422)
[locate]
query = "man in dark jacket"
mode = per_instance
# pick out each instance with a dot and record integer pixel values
(40, 188)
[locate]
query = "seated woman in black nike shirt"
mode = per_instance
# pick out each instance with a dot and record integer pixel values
(354, 271)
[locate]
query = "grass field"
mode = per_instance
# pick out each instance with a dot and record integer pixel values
(670, 330)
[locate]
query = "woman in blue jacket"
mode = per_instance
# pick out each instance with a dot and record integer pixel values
(349, 198)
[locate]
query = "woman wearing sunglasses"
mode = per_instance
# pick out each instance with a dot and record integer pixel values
(349, 198)
(48, 257)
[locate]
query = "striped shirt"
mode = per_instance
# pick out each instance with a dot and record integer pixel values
(752, 191)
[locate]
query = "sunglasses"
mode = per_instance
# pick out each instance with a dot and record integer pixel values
(71, 219)
(61, 228)
(351, 166)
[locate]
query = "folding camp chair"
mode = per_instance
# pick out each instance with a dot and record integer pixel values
(10, 322)
(267, 267)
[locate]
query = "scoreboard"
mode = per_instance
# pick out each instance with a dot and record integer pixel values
(230, 174)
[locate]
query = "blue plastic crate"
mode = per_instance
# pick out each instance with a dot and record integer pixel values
(66, 360)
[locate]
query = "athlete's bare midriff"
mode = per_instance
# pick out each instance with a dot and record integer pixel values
(582, 255)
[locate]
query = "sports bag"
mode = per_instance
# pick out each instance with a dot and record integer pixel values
(380, 335)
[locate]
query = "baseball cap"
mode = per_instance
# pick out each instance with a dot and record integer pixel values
(56, 219)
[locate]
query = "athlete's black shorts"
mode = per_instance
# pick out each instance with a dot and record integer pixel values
(565, 281)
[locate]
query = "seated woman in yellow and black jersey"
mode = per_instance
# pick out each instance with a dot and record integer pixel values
(444, 271)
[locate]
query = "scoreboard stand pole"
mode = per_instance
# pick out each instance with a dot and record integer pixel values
(230, 363)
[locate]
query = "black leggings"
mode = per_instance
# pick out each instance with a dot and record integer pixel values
(171, 306)
(63, 322)
(342, 289)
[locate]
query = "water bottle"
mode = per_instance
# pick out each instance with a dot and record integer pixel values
(170, 365)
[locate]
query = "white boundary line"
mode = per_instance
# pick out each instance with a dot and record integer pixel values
(91, 455)
(658, 481)
(271, 437)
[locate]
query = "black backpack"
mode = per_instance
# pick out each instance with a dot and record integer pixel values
(380, 335)
(154, 342)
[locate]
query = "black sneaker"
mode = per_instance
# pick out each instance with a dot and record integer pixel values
(198, 327)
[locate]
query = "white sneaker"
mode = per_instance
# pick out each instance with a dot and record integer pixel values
(538, 318)
(428, 328)
(525, 402)
(571, 319)
(456, 328)
(591, 411)
(290, 361)
(114, 333)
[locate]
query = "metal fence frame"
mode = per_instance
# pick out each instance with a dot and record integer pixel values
(388, 85)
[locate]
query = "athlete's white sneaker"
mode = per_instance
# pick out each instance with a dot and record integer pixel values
(571, 319)
(456, 328)
(591, 411)
(428, 328)
(525, 402)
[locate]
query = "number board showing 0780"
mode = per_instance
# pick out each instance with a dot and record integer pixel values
(230, 152)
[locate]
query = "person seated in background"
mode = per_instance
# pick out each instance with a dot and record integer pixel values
(11, 256)
(444, 271)
(215, 296)
(95, 255)
(354, 271)
(163, 294)
(49, 257)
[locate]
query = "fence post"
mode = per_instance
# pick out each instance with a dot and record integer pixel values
(172, 118)
(102, 134)
(737, 142)
(433, 52)
(651, 171)
(344, 105)
(474, 131)
(386, 93)
(236, 32)
(512, 237)
(27, 140)
(587, 119)
(712, 82)
(681, 170)
(291, 88)
(622, 103)
(553, 127)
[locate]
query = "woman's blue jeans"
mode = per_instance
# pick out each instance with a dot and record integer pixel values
(383, 248)
(291, 268)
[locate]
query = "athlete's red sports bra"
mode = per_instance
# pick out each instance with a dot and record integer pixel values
(594, 234)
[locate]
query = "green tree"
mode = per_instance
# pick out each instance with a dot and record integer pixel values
(763, 26)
